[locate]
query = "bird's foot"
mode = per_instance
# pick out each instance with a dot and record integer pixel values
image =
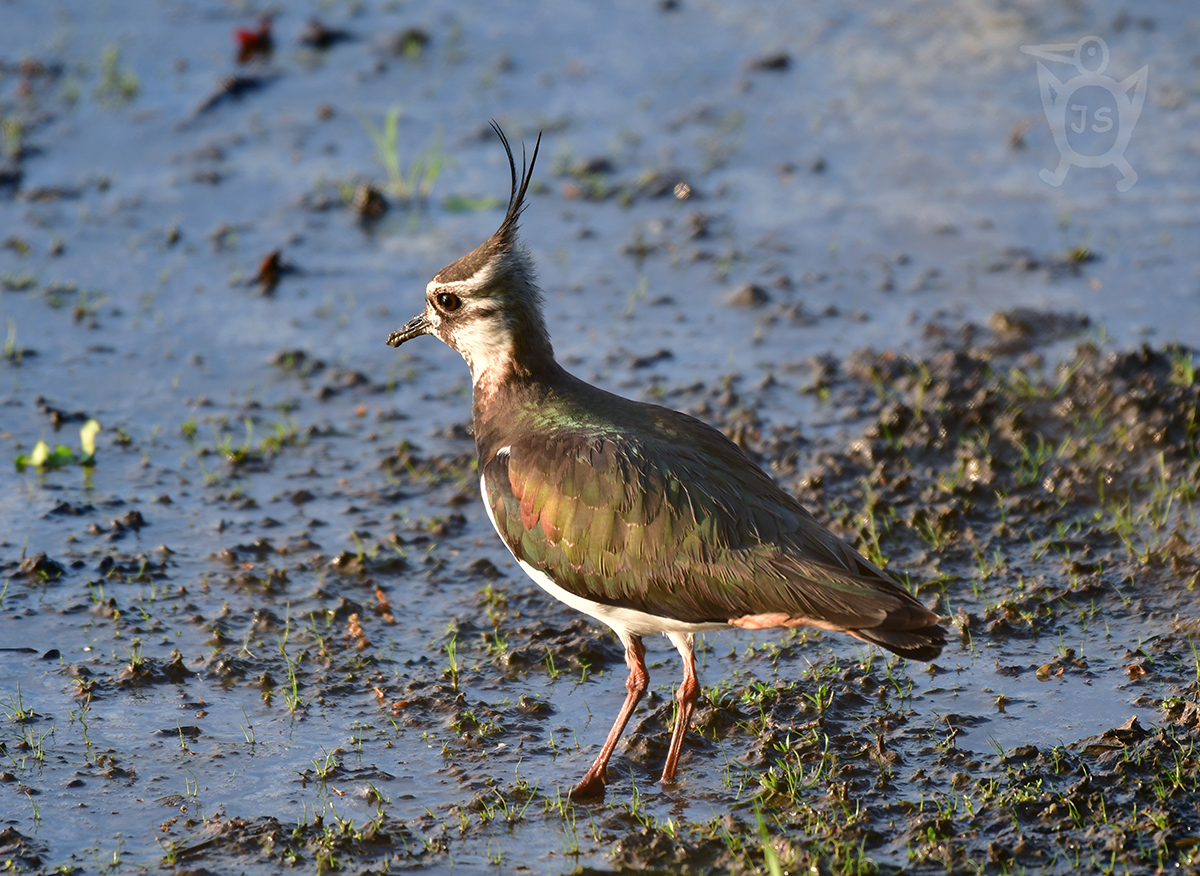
(591, 787)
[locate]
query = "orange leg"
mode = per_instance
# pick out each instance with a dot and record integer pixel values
(689, 690)
(592, 783)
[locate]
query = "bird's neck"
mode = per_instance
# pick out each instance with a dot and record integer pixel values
(518, 350)
(506, 393)
(510, 361)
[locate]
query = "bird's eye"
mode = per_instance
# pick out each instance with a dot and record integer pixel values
(447, 302)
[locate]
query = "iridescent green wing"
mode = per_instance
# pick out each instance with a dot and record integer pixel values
(688, 532)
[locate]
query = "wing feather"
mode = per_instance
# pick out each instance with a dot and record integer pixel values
(678, 523)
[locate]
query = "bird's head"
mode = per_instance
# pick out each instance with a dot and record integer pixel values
(487, 305)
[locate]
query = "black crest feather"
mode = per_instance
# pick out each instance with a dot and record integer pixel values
(505, 238)
(516, 199)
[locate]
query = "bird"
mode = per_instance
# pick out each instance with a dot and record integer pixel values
(644, 518)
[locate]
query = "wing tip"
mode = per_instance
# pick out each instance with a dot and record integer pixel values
(924, 643)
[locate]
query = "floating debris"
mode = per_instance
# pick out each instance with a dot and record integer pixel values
(748, 295)
(230, 88)
(254, 43)
(317, 35)
(270, 271)
(369, 204)
(774, 61)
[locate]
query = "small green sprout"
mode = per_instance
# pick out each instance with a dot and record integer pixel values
(42, 457)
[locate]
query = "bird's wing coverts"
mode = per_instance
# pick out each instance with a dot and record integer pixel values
(683, 533)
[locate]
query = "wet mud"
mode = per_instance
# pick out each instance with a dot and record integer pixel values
(260, 620)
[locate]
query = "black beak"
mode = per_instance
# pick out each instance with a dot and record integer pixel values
(418, 325)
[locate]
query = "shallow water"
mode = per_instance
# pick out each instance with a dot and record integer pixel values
(871, 190)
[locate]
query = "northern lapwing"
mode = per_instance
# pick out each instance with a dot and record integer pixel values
(639, 516)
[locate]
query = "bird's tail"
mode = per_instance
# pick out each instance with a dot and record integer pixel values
(923, 643)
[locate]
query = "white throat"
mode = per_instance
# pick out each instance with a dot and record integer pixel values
(487, 348)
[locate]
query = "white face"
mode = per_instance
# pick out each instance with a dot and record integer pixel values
(472, 322)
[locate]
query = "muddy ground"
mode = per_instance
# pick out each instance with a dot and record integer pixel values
(267, 624)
